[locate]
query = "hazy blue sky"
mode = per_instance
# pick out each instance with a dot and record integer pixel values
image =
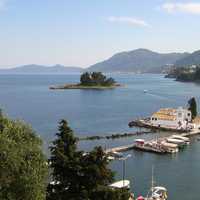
(82, 32)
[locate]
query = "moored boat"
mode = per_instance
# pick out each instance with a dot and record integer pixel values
(179, 137)
(170, 147)
(158, 193)
(180, 143)
(155, 193)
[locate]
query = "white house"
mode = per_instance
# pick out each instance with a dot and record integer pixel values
(172, 118)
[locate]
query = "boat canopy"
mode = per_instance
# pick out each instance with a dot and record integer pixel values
(121, 184)
(160, 188)
(139, 140)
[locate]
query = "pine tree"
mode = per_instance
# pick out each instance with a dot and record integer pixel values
(95, 170)
(64, 162)
(77, 175)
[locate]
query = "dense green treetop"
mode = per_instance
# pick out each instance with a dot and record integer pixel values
(95, 79)
(23, 167)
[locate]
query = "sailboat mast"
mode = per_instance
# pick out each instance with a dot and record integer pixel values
(152, 179)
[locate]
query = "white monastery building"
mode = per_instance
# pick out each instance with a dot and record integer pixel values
(172, 118)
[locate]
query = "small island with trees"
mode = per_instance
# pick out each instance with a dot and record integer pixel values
(91, 80)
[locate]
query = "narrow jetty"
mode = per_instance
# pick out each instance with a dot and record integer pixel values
(114, 135)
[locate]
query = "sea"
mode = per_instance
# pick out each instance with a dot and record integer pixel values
(107, 112)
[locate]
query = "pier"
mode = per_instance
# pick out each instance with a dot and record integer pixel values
(160, 145)
(164, 120)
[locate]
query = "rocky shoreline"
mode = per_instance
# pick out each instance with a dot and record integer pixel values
(79, 86)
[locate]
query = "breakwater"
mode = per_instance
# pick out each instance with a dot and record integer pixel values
(113, 136)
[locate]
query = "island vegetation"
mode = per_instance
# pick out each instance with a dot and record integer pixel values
(25, 172)
(91, 80)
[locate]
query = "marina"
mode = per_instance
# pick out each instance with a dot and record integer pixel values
(186, 127)
(159, 145)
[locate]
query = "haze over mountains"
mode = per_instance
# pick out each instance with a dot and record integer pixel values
(40, 69)
(136, 61)
(191, 59)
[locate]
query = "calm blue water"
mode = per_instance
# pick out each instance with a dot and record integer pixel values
(95, 112)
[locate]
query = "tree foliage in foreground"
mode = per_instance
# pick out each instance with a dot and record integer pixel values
(193, 107)
(78, 175)
(23, 169)
(95, 79)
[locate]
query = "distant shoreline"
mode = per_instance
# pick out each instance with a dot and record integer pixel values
(79, 86)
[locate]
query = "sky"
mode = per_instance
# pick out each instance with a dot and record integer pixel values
(83, 32)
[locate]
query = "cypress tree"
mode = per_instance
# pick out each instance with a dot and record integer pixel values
(193, 107)
(64, 162)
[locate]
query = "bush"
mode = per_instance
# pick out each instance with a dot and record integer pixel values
(23, 168)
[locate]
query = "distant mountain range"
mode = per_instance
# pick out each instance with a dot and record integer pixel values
(136, 61)
(40, 69)
(191, 59)
(139, 61)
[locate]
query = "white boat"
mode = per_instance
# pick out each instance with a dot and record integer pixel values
(170, 147)
(155, 193)
(145, 91)
(158, 193)
(175, 141)
(121, 184)
(179, 137)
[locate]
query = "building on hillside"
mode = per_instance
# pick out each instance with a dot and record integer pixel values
(172, 118)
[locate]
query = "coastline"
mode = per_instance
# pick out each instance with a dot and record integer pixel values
(78, 86)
